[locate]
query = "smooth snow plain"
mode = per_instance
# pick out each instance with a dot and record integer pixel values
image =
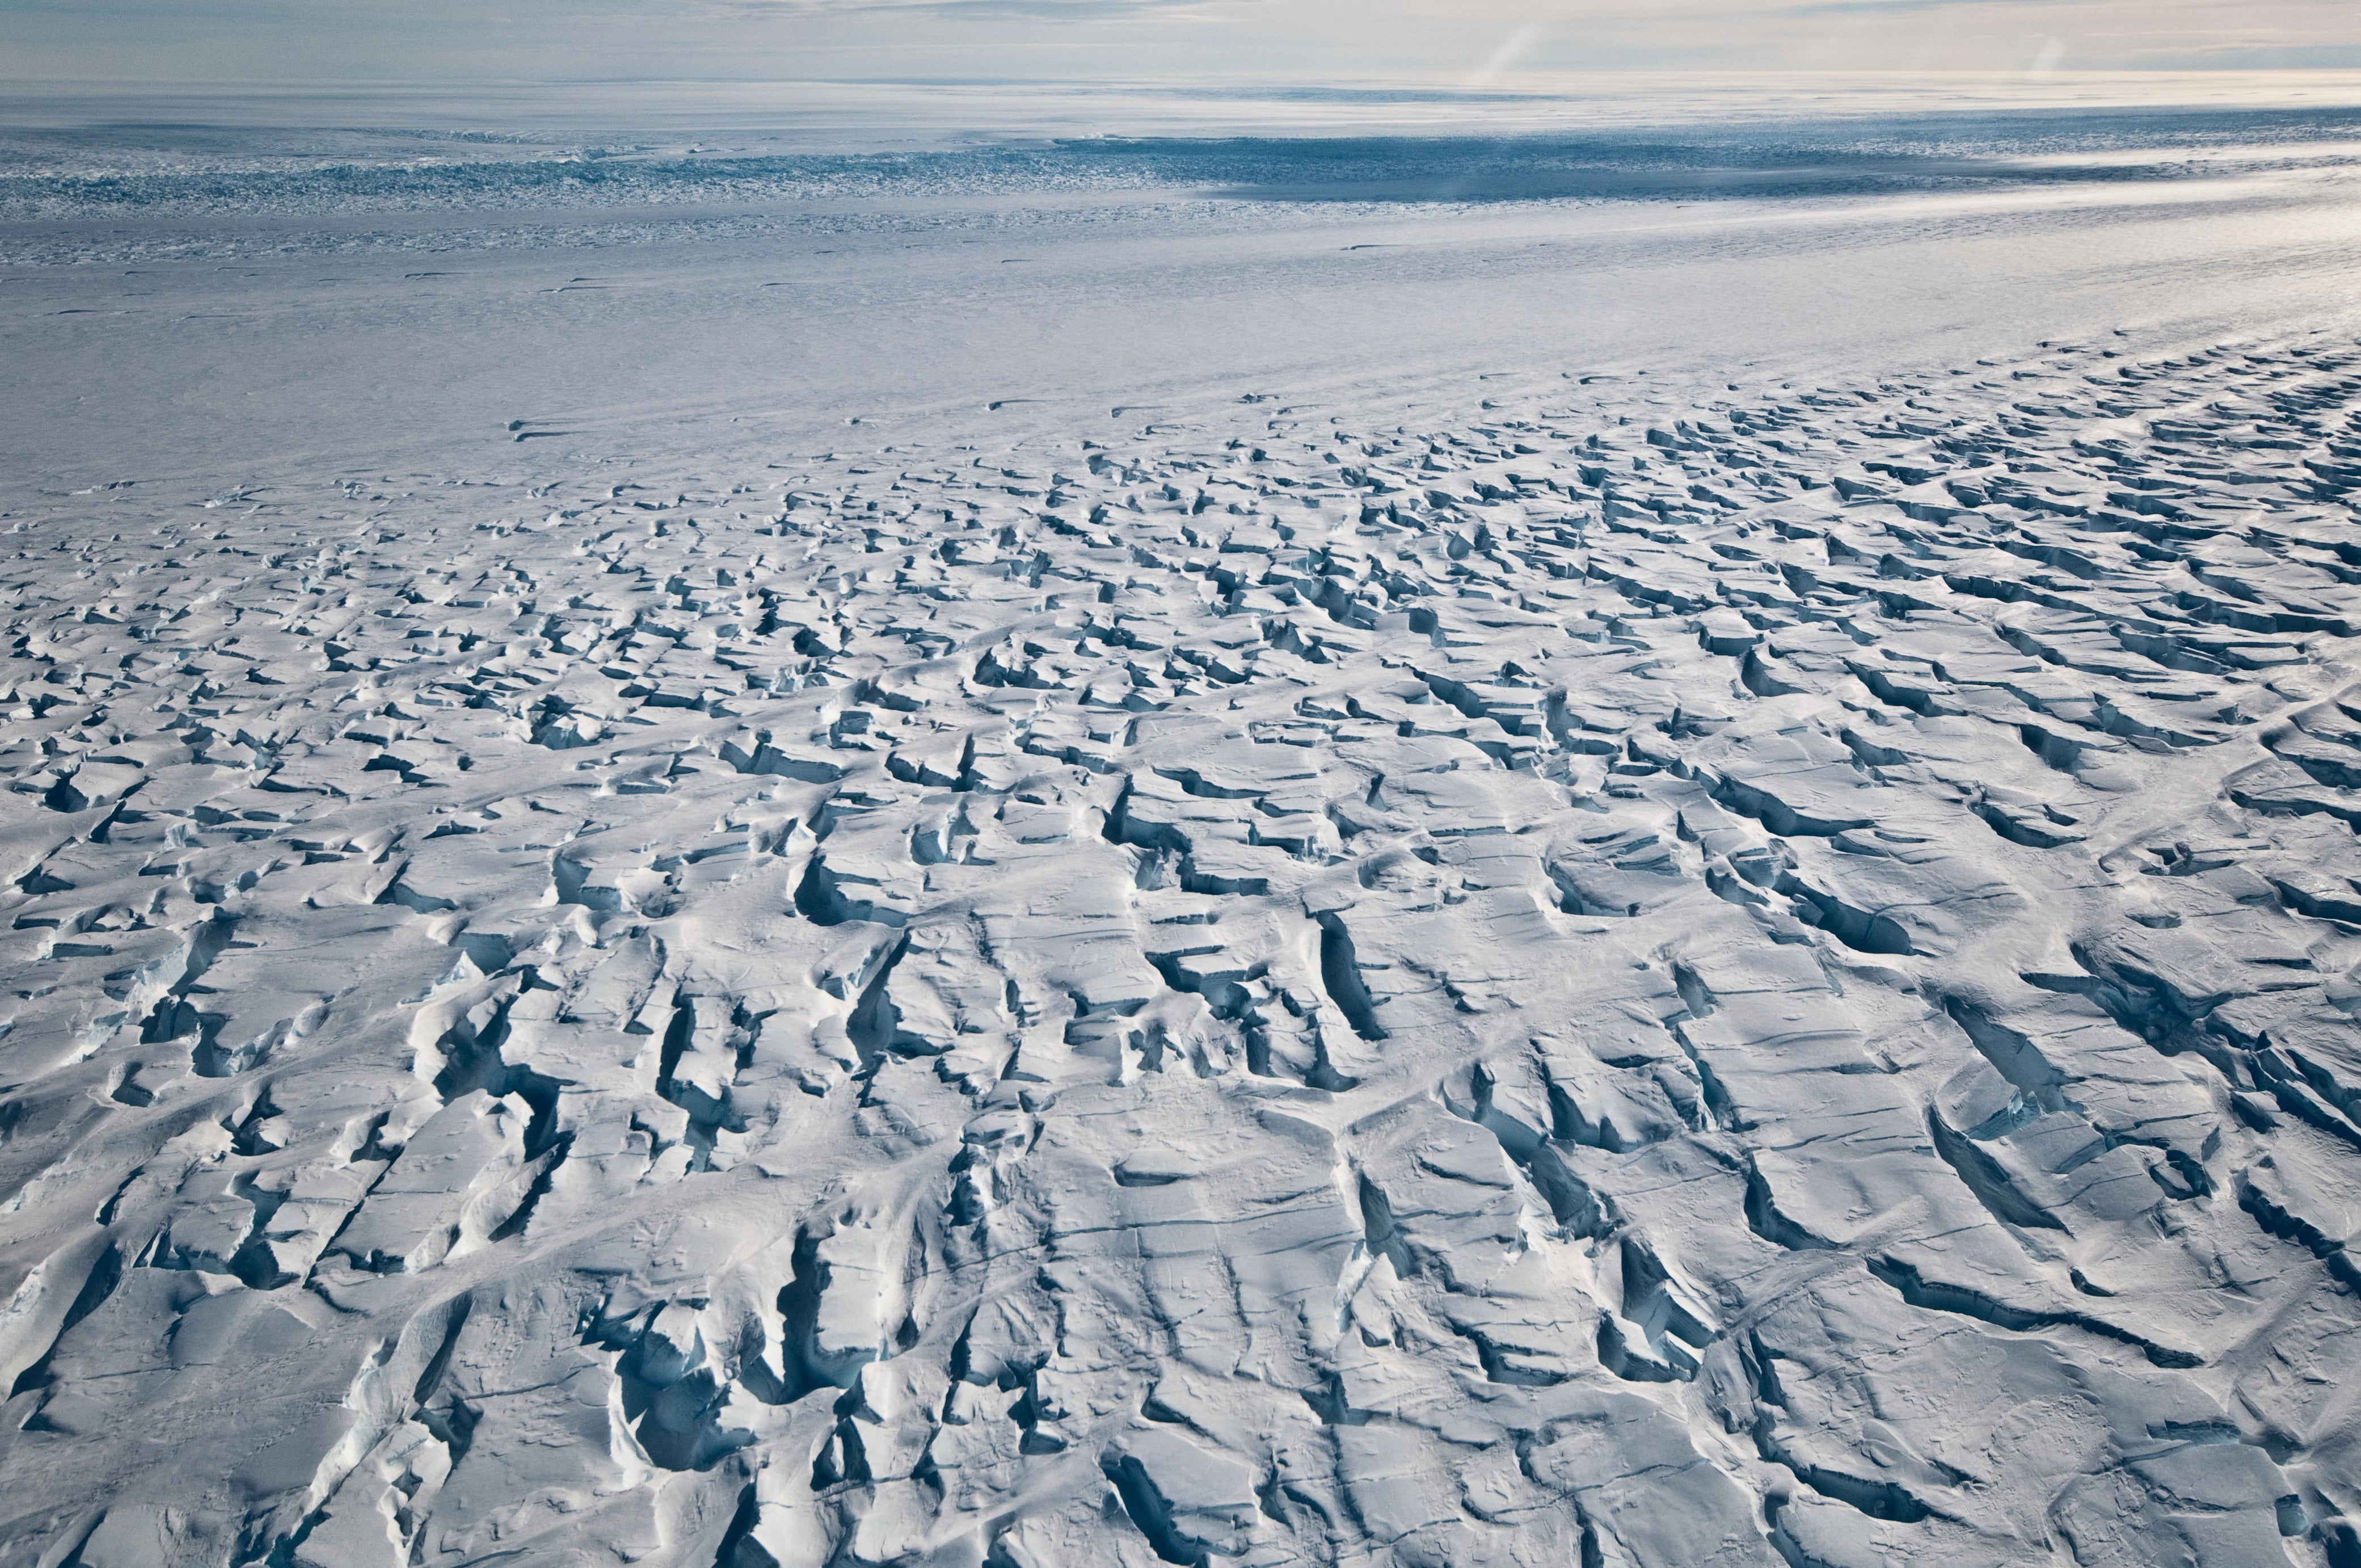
(1356, 841)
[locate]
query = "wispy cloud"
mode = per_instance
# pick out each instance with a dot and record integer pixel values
(1513, 49)
(1209, 44)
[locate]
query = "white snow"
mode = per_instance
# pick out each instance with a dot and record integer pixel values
(1205, 852)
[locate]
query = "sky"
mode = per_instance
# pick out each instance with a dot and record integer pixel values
(1214, 42)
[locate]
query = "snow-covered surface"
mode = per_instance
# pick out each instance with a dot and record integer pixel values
(1292, 868)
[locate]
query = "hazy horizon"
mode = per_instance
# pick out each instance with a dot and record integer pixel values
(263, 41)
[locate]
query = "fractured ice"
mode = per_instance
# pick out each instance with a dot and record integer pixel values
(1602, 982)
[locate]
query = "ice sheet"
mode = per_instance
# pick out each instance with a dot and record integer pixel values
(1191, 856)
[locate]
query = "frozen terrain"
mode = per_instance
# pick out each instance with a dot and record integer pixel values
(1630, 849)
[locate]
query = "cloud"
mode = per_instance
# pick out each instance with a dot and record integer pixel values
(1208, 44)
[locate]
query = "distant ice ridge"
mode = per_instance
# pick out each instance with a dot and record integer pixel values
(218, 171)
(1602, 982)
